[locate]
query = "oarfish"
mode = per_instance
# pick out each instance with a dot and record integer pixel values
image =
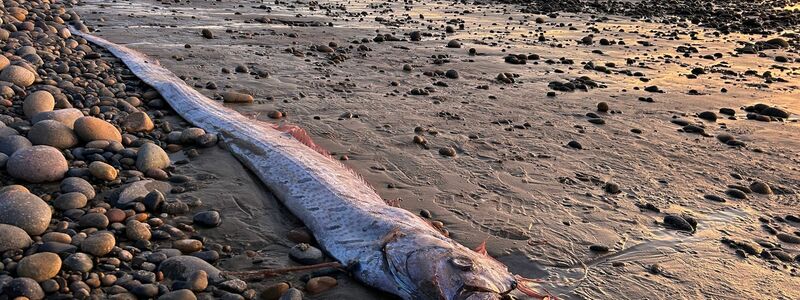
(385, 247)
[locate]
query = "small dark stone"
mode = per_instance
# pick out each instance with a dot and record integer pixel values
(207, 218)
(575, 144)
(611, 188)
(678, 222)
(598, 248)
(736, 193)
(708, 116)
(714, 198)
(306, 254)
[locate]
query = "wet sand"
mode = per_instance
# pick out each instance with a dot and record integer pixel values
(514, 182)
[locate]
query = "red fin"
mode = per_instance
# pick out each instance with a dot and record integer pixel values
(302, 136)
(482, 248)
(521, 281)
(393, 202)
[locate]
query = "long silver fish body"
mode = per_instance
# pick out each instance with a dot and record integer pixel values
(386, 247)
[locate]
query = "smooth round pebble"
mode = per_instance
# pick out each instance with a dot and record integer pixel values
(39, 266)
(37, 164)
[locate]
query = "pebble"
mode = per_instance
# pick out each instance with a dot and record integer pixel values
(37, 102)
(188, 245)
(275, 291)
(575, 145)
(598, 248)
(182, 294)
(306, 254)
(69, 201)
(17, 75)
(92, 129)
(320, 284)
(52, 133)
(292, 294)
(13, 143)
(24, 210)
(103, 171)
(23, 287)
(602, 107)
(98, 244)
(453, 44)
(207, 218)
(13, 237)
(611, 188)
(37, 164)
(788, 238)
(93, 220)
(66, 116)
(708, 116)
(79, 262)
(181, 267)
(447, 151)
(79, 185)
(189, 136)
(146, 291)
(138, 122)
(452, 74)
(136, 231)
(761, 188)
(151, 156)
(234, 285)
(678, 222)
(197, 281)
(236, 97)
(39, 266)
(736, 193)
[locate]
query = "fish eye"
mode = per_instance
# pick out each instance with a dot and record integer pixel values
(463, 263)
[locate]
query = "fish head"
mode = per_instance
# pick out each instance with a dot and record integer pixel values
(428, 267)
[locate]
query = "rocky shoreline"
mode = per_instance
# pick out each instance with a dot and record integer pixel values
(90, 206)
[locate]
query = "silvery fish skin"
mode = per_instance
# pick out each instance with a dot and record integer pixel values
(386, 247)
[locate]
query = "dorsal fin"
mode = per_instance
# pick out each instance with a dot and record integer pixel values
(302, 136)
(482, 248)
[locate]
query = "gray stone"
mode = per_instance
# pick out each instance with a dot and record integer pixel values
(182, 294)
(207, 218)
(37, 164)
(151, 156)
(91, 129)
(306, 254)
(79, 262)
(70, 200)
(292, 294)
(39, 266)
(52, 133)
(182, 267)
(13, 143)
(138, 190)
(98, 244)
(36, 102)
(23, 287)
(24, 210)
(66, 116)
(77, 184)
(13, 237)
